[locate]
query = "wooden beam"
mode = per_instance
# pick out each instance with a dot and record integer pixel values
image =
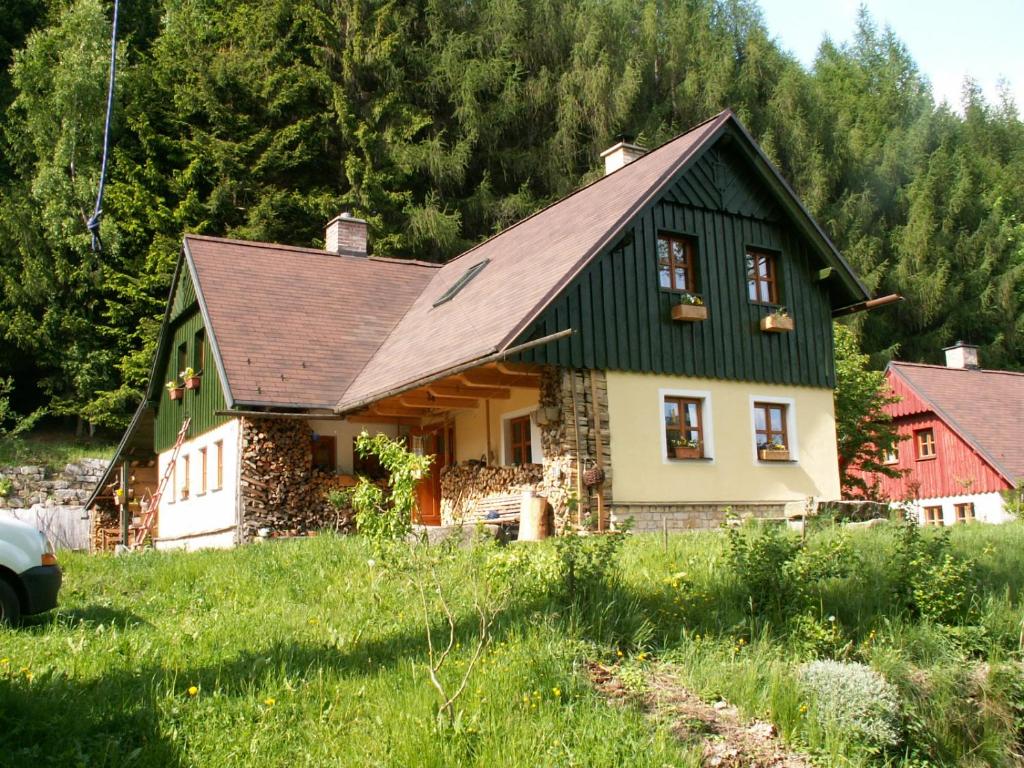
(413, 400)
(493, 378)
(469, 392)
(391, 408)
(376, 418)
(517, 369)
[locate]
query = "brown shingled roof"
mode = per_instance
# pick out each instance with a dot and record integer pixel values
(294, 326)
(530, 262)
(985, 407)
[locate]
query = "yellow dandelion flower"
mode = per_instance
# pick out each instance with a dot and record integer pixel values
(557, 691)
(192, 690)
(5, 661)
(270, 701)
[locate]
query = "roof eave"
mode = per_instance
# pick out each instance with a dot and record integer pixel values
(211, 334)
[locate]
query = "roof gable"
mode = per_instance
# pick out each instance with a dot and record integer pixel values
(532, 262)
(986, 408)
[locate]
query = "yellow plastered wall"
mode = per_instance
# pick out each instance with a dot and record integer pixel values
(643, 472)
(471, 426)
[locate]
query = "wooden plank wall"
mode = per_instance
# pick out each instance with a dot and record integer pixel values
(623, 317)
(201, 405)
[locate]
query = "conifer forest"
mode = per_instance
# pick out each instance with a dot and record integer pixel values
(441, 122)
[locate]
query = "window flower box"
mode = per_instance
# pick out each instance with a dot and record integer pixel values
(690, 309)
(773, 454)
(777, 322)
(191, 378)
(687, 451)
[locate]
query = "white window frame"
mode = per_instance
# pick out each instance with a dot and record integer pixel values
(536, 450)
(791, 433)
(704, 396)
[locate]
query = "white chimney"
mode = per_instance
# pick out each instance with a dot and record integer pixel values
(621, 154)
(346, 236)
(962, 355)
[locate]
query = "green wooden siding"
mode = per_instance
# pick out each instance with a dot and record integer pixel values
(623, 317)
(201, 405)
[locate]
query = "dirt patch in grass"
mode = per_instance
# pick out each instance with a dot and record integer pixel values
(725, 739)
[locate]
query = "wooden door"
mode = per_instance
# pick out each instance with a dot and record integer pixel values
(439, 442)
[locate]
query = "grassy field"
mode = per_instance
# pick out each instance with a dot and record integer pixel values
(310, 653)
(53, 448)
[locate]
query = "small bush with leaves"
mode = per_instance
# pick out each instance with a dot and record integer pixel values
(778, 573)
(928, 579)
(381, 516)
(854, 701)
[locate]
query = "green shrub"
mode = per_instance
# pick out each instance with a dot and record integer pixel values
(779, 574)
(929, 580)
(853, 701)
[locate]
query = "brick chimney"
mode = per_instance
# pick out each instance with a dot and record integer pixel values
(346, 236)
(624, 151)
(962, 355)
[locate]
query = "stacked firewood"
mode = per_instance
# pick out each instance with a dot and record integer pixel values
(280, 490)
(105, 528)
(465, 485)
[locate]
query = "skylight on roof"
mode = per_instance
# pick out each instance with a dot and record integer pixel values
(462, 282)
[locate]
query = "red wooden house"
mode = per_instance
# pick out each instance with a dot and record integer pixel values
(961, 446)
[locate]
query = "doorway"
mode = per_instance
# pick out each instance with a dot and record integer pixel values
(438, 440)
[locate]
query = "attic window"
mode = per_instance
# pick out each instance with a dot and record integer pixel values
(462, 282)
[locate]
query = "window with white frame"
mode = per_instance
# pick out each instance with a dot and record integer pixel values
(773, 423)
(520, 442)
(685, 423)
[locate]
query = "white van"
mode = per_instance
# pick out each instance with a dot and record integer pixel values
(29, 575)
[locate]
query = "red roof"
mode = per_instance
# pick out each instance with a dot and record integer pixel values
(294, 326)
(986, 408)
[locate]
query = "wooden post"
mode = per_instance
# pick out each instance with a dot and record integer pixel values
(576, 435)
(664, 530)
(598, 448)
(124, 503)
(487, 423)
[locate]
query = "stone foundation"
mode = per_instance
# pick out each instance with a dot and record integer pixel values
(651, 518)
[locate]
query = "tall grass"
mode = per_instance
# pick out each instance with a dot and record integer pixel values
(305, 653)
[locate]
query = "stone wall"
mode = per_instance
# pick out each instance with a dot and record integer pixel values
(70, 486)
(570, 441)
(52, 500)
(653, 518)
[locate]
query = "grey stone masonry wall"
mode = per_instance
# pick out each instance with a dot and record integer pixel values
(40, 485)
(651, 518)
(570, 441)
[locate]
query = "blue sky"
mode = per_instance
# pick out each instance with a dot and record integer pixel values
(947, 40)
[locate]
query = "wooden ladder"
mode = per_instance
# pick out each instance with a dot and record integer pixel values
(149, 510)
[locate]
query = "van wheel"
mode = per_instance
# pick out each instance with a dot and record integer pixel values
(10, 608)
